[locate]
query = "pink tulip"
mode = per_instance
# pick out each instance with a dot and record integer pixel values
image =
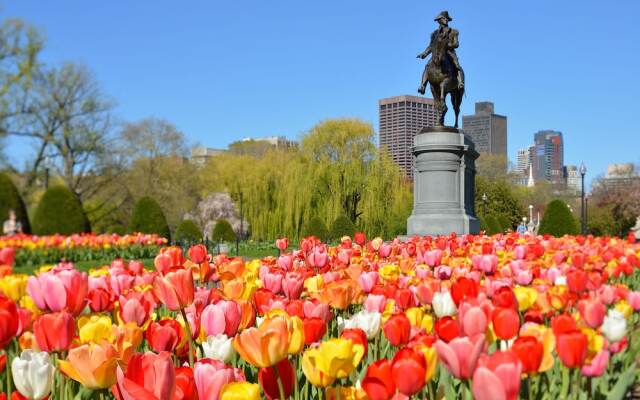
(375, 302)
(148, 376)
(318, 257)
(136, 267)
(59, 289)
(442, 272)
(633, 298)
(318, 310)
(121, 283)
(162, 262)
(285, 262)
(368, 280)
(272, 282)
(433, 257)
(598, 364)
(133, 310)
(211, 375)
(520, 252)
(592, 312)
(497, 377)
(385, 250)
(473, 319)
(221, 317)
(292, 285)
(282, 244)
(607, 294)
(344, 256)
(524, 277)
(460, 355)
(486, 263)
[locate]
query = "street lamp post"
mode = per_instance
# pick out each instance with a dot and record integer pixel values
(583, 218)
(484, 204)
(47, 163)
(530, 213)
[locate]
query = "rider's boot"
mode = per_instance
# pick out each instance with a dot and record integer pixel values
(422, 89)
(460, 79)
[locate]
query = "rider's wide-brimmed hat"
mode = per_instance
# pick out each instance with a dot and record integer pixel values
(444, 14)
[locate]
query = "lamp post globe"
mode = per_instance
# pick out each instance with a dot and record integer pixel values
(583, 213)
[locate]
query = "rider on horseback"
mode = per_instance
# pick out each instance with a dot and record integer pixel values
(444, 34)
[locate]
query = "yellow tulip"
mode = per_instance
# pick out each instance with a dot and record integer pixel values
(314, 284)
(624, 308)
(595, 342)
(335, 358)
(419, 318)
(431, 357)
(389, 272)
(526, 297)
(345, 393)
(28, 303)
(265, 345)
(240, 391)
(14, 286)
(95, 328)
(296, 335)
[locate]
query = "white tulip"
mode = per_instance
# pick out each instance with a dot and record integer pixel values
(443, 304)
(369, 322)
(614, 326)
(218, 347)
(561, 280)
(33, 374)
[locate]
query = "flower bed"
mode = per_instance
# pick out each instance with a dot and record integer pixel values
(34, 251)
(456, 317)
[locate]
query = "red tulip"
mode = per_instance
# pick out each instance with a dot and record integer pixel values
(409, 371)
(148, 376)
(54, 332)
(198, 253)
(314, 329)
(572, 348)
(282, 244)
(404, 298)
(530, 351)
(397, 329)
(185, 384)
(504, 297)
(164, 335)
(9, 320)
(497, 377)
(378, 382)
(563, 323)
(7, 256)
(100, 300)
(221, 317)
(447, 329)
(506, 323)
(269, 379)
(577, 281)
(464, 288)
(592, 312)
(356, 335)
(360, 238)
(175, 289)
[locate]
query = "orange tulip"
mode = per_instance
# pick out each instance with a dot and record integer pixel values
(92, 365)
(340, 294)
(265, 345)
(175, 289)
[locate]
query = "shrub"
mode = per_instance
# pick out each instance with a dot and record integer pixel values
(342, 226)
(483, 224)
(316, 227)
(493, 225)
(188, 232)
(558, 220)
(148, 217)
(223, 232)
(10, 200)
(60, 211)
(118, 229)
(504, 222)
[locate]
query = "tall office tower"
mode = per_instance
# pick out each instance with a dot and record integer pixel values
(487, 129)
(574, 180)
(401, 118)
(522, 166)
(548, 159)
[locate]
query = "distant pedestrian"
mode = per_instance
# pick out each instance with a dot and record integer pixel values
(11, 226)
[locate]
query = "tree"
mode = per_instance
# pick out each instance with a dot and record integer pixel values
(316, 227)
(501, 200)
(10, 200)
(558, 220)
(60, 211)
(223, 232)
(493, 224)
(214, 207)
(253, 148)
(342, 226)
(148, 218)
(619, 197)
(188, 232)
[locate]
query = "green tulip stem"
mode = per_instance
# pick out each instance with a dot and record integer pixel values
(189, 334)
(8, 369)
(279, 380)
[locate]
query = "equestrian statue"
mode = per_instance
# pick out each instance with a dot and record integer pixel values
(443, 71)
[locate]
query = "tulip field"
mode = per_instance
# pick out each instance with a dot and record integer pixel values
(457, 317)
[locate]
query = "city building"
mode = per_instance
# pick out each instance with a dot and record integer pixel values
(276, 141)
(574, 179)
(620, 175)
(548, 157)
(401, 118)
(200, 155)
(487, 129)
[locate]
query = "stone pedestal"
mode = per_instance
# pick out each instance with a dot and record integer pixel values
(443, 183)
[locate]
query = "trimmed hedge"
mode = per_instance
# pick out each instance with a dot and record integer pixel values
(558, 220)
(10, 200)
(223, 232)
(342, 226)
(60, 211)
(148, 217)
(316, 227)
(188, 232)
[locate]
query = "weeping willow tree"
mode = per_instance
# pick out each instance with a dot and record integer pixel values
(336, 171)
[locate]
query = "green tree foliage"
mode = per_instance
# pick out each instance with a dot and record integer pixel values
(188, 231)
(60, 211)
(148, 217)
(223, 232)
(253, 148)
(614, 204)
(342, 226)
(493, 224)
(483, 224)
(10, 200)
(337, 170)
(505, 223)
(316, 227)
(501, 200)
(558, 220)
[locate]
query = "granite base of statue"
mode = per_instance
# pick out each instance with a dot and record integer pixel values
(443, 183)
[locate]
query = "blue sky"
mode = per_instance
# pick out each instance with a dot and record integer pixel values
(224, 70)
